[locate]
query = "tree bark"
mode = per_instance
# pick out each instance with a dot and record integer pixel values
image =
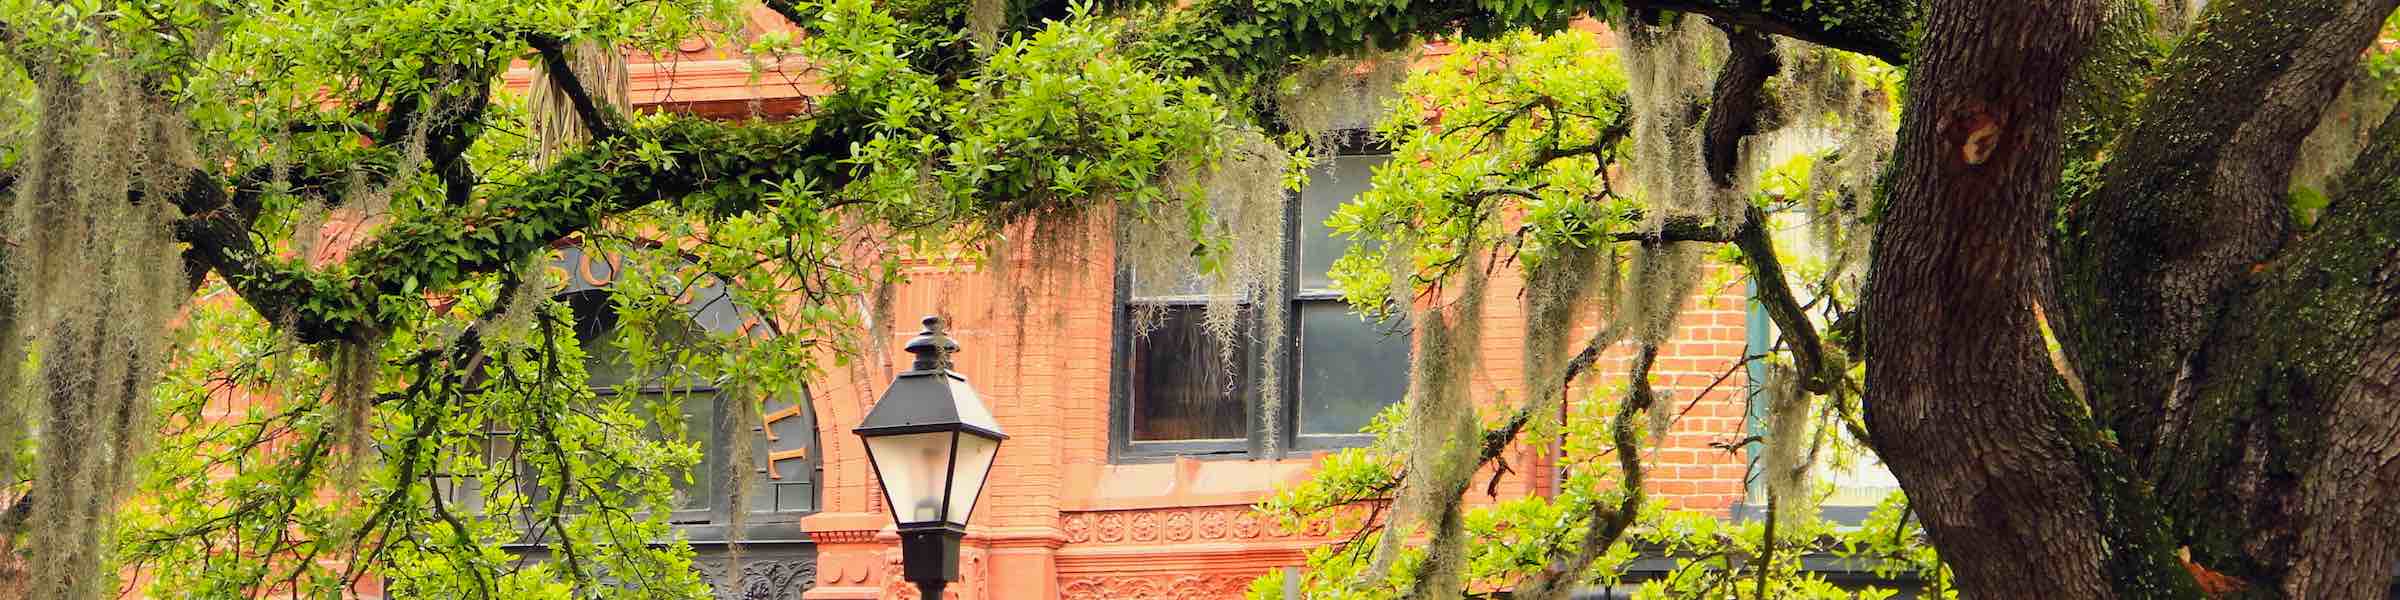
(2014, 486)
(2238, 372)
(2195, 196)
(2287, 459)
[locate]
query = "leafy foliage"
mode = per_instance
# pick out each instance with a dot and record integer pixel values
(1523, 122)
(414, 407)
(1508, 152)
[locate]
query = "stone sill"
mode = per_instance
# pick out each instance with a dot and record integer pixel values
(1180, 482)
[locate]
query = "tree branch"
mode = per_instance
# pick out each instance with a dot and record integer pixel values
(440, 249)
(1775, 294)
(2301, 377)
(1608, 523)
(1246, 39)
(1884, 29)
(1736, 98)
(596, 118)
(1679, 228)
(1964, 405)
(1497, 439)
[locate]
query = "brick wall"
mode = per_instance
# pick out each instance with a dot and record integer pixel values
(1060, 520)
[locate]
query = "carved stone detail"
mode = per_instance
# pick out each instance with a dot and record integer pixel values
(1177, 526)
(1144, 527)
(849, 536)
(1077, 531)
(1210, 586)
(1211, 525)
(760, 578)
(974, 572)
(1245, 525)
(1207, 523)
(1112, 527)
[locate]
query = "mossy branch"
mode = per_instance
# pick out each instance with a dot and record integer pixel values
(1608, 522)
(1884, 29)
(726, 163)
(1733, 111)
(1775, 294)
(2299, 350)
(596, 118)
(1733, 115)
(1248, 39)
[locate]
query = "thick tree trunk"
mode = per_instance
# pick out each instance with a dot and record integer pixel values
(2014, 485)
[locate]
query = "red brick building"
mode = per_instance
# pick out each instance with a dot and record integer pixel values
(1133, 460)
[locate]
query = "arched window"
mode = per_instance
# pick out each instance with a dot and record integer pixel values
(783, 482)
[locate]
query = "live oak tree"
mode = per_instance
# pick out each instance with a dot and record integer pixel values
(2118, 176)
(366, 379)
(2102, 354)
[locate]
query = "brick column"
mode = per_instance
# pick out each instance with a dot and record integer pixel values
(850, 554)
(1024, 561)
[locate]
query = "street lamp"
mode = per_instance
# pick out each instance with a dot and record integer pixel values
(931, 442)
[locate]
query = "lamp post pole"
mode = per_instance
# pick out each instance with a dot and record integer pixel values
(932, 443)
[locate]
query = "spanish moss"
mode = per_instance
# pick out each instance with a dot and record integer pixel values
(99, 140)
(1241, 231)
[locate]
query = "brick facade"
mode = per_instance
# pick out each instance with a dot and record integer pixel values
(1059, 520)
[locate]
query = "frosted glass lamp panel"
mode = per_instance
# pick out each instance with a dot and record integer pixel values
(970, 407)
(975, 455)
(912, 466)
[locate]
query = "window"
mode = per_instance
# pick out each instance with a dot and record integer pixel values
(785, 464)
(612, 374)
(1179, 394)
(1348, 368)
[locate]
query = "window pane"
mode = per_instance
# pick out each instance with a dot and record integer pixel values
(696, 487)
(1349, 368)
(1184, 281)
(605, 362)
(1181, 386)
(596, 329)
(784, 463)
(1329, 185)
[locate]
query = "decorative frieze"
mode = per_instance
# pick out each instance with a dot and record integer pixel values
(1206, 586)
(1174, 525)
(761, 578)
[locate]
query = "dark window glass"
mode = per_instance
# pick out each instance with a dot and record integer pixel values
(655, 386)
(693, 490)
(1181, 388)
(1340, 369)
(1329, 185)
(1349, 368)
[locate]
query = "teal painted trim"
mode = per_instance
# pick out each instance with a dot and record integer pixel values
(1759, 340)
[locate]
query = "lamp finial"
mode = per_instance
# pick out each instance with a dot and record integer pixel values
(932, 346)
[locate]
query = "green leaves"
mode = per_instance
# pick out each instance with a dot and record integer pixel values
(1521, 124)
(2306, 203)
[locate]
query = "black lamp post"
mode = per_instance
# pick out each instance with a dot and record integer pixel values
(931, 442)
